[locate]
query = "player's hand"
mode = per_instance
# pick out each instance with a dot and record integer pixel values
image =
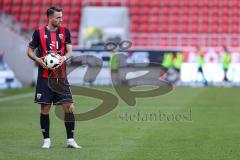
(62, 60)
(41, 62)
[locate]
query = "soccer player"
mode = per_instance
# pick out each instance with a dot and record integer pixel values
(52, 38)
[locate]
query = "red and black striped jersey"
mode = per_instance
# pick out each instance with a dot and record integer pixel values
(45, 42)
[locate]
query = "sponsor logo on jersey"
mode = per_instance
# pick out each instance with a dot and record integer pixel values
(39, 95)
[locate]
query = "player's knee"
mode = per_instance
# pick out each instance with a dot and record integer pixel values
(68, 108)
(45, 109)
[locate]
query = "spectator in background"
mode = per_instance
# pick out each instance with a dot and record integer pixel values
(226, 60)
(177, 62)
(200, 58)
(166, 64)
(114, 67)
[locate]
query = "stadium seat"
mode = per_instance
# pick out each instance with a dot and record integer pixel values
(25, 17)
(145, 11)
(26, 10)
(16, 9)
(18, 2)
(38, 3)
(156, 17)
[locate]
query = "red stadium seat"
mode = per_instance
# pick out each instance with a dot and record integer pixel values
(144, 19)
(155, 3)
(35, 18)
(135, 11)
(215, 19)
(145, 11)
(155, 11)
(57, 2)
(25, 26)
(195, 19)
(152, 28)
(224, 28)
(185, 10)
(18, 2)
(38, 3)
(184, 20)
(67, 10)
(67, 3)
(164, 19)
(204, 28)
(143, 28)
(148, 18)
(174, 19)
(155, 19)
(25, 17)
(204, 11)
(226, 12)
(28, 2)
(164, 11)
(135, 19)
(48, 2)
(16, 17)
(26, 9)
(75, 27)
(214, 28)
(175, 11)
(134, 28)
(76, 10)
(194, 4)
(163, 28)
(195, 10)
(235, 28)
(205, 19)
(194, 28)
(16, 9)
(165, 3)
(225, 19)
(36, 10)
(205, 3)
(114, 3)
(76, 18)
(175, 29)
(184, 28)
(7, 9)
(34, 25)
(235, 20)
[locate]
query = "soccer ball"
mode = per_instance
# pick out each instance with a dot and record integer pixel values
(52, 60)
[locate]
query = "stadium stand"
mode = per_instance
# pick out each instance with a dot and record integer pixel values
(182, 23)
(153, 23)
(31, 14)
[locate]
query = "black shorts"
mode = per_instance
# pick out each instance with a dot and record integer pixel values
(52, 95)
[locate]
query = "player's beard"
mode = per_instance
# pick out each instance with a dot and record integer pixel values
(56, 25)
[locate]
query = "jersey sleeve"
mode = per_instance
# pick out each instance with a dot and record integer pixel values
(35, 40)
(68, 37)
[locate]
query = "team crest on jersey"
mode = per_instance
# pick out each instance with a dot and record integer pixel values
(39, 95)
(60, 36)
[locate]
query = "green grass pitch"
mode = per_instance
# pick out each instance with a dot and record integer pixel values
(210, 132)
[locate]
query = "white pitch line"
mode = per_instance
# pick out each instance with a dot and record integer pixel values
(9, 98)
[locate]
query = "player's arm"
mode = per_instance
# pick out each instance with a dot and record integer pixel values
(32, 46)
(32, 56)
(68, 53)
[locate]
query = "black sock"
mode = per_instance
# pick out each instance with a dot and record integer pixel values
(69, 124)
(44, 122)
